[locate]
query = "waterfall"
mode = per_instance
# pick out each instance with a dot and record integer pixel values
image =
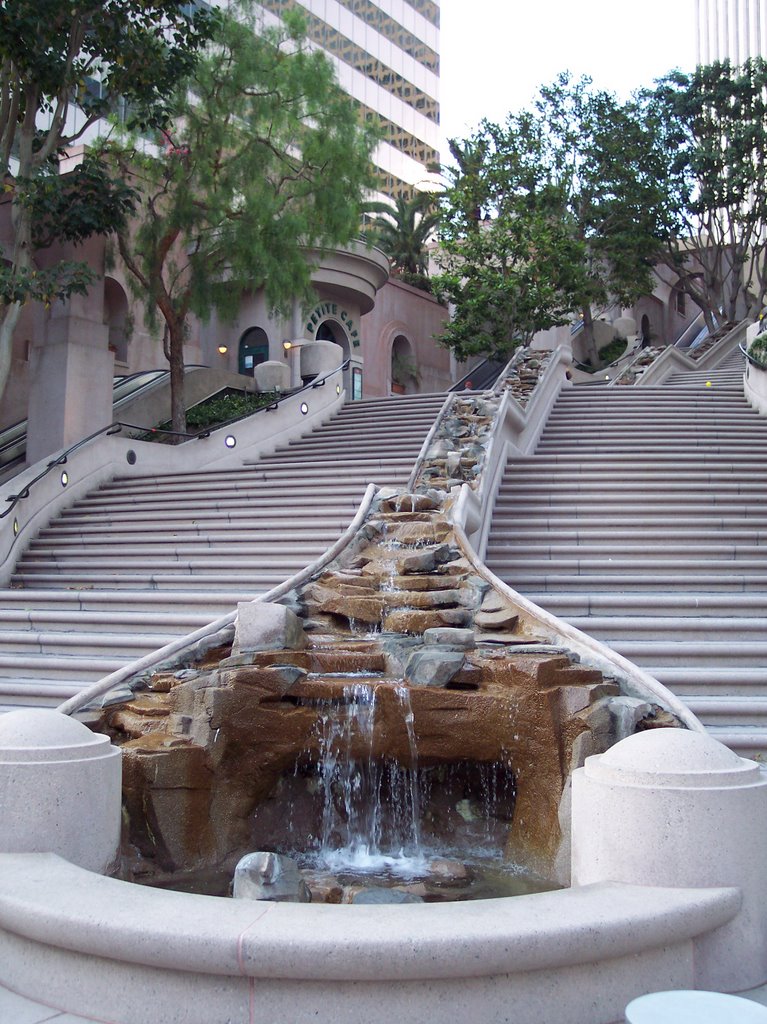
(371, 806)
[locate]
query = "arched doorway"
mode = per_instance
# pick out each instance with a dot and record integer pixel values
(254, 349)
(331, 330)
(404, 371)
(116, 319)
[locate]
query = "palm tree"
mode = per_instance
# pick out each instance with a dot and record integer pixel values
(403, 230)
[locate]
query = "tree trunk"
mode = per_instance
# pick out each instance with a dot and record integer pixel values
(22, 260)
(590, 343)
(176, 360)
(8, 320)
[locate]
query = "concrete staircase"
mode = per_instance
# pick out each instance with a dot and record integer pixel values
(642, 519)
(144, 560)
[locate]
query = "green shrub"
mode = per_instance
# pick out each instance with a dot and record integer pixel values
(218, 409)
(758, 348)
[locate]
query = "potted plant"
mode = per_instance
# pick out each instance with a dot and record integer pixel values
(403, 372)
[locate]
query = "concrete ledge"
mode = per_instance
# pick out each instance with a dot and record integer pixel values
(101, 947)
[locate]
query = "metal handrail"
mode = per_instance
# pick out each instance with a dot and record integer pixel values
(115, 428)
(751, 359)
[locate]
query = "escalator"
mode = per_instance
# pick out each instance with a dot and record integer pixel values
(125, 389)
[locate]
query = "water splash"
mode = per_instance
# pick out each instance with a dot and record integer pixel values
(371, 806)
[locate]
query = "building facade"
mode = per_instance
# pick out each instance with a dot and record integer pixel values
(386, 55)
(730, 30)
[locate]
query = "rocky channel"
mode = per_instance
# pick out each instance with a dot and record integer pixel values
(475, 706)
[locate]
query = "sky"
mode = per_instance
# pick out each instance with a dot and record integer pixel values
(495, 53)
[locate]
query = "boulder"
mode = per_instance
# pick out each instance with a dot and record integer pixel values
(271, 877)
(262, 626)
(433, 666)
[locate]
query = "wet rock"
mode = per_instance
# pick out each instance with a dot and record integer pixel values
(263, 626)
(425, 560)
(323, 888)
(626, 713)
(416, 622)
(119, 695)
(433, 666)
(504, 618)
(493, 601)
(269, 876)
(383, 896)
(410, 503)
(450, 636)
(443, 871)
(186, 674)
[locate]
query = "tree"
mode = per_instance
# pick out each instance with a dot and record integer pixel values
(711, 131)
(403, 230)
(506, 276)
(266, 160)
(571, 217)
(62, 67)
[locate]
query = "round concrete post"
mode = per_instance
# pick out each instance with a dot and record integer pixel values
(668, 807)
(272, 376)
(319, 357)
(60, 789)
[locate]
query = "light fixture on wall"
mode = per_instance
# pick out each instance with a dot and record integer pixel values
(223, 349)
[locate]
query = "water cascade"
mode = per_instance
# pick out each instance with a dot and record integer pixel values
(411, 714)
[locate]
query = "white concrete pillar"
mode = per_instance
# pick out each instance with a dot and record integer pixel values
(675, 808)
(60, 789)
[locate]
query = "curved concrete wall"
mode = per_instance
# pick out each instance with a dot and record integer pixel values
(131, 955)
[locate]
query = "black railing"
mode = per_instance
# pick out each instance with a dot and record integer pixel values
(752, 359)
(117, 427)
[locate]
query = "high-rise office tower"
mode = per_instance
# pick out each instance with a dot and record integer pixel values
(386, 54)
(730, 29)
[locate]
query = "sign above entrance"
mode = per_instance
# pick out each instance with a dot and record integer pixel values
(326, 309)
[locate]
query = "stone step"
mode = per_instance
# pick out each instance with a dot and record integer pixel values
(262, 542)
(174, 582)
(116, 621)
(731, 711)
(64, 668)
(565, 551)
(150, 605)
(607, 504)
(236, 563)
(659, 535)
(651, 488)
(739, 681)
(618, 628)
(627, 582)
(689, 605)
(692, 654)
(205, 535)
(606, 565)
(56, 644)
